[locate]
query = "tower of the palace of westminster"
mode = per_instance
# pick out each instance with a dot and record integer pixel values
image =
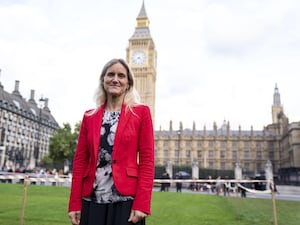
(220, 148)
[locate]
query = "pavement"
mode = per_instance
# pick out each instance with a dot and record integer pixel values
(285, 192)
(286, 189)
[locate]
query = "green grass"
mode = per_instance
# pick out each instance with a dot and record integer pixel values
(48, 206)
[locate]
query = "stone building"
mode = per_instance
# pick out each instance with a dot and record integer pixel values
(25, 129)
(221, 148)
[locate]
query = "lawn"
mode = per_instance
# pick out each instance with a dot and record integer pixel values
(48, 206)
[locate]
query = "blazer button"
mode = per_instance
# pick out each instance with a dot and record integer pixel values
(114, 161)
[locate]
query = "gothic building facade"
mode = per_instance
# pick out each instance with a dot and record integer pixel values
(25, 129)
(221, 148)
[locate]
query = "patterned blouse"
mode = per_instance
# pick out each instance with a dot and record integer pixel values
(104, 190)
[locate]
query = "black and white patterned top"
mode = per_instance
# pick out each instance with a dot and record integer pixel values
(104, 190)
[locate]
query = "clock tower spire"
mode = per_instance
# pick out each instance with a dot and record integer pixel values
(277, 108)
(141, 56)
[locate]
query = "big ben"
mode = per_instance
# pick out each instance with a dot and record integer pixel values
(141, 56)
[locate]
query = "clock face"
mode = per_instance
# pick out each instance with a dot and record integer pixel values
(138, 57)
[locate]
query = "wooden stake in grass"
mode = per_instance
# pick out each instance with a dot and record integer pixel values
(26, 181)
(238, 201)
(273, 203)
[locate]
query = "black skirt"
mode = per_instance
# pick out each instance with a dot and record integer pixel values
(107, 214)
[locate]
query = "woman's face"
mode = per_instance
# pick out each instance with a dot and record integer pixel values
(116, 81)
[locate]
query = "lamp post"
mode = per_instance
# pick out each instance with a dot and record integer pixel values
(37, 149)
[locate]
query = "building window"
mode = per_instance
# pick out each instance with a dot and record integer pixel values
(258, 167)
(222, 154)
(234, 145)
(210, 144)
(176, 154)
(246, 155)
(233, 164)
(199, 154)
(258, 155)
(166, 154)
(222, 166)
(166, 143)
(258, 145)
(188, 153)
(199, 144)
(271, 155)
(234, 154)
(155, 152)
(270, 145)
(223, 144)
(246, 145)
(210, 154)
(211, 165)
(247, 166)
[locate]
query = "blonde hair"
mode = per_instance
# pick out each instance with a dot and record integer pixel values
(131, 96)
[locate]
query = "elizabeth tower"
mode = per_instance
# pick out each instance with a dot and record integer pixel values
(141, 56)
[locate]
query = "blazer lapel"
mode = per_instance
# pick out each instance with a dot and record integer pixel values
(124, 117)
(97, 122)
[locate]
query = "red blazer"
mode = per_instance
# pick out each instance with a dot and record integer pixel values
(132, 157)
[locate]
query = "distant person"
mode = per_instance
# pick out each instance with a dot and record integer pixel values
(218, 186)
(226, 187)
(275, 188)
(178, 184)
(165, 185)
(243, 190)
(113, 170)
(209, 185)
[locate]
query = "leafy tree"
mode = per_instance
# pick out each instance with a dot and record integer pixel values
(63, 143)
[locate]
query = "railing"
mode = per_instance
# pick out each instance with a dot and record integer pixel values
(36, 178)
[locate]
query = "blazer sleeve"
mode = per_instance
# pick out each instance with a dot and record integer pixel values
(143, 195)
(81, 162)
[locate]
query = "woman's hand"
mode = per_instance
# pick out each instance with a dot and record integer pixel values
(136, 216)
(75, 217)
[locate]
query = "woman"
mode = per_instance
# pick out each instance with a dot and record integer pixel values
(113, 168)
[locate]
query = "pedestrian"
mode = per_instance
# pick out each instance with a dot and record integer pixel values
(178, 183)
(165, 185)
(218, 185)
(113, 168)
(243, 191)
(168, 184)
(227, 186)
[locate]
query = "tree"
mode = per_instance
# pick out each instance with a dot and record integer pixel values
(63, 144)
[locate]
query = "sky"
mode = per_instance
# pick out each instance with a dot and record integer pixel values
(217, 59)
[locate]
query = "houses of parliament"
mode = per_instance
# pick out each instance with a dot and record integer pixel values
(220, 148)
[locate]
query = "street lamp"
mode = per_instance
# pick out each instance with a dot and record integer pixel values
(38, 142)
